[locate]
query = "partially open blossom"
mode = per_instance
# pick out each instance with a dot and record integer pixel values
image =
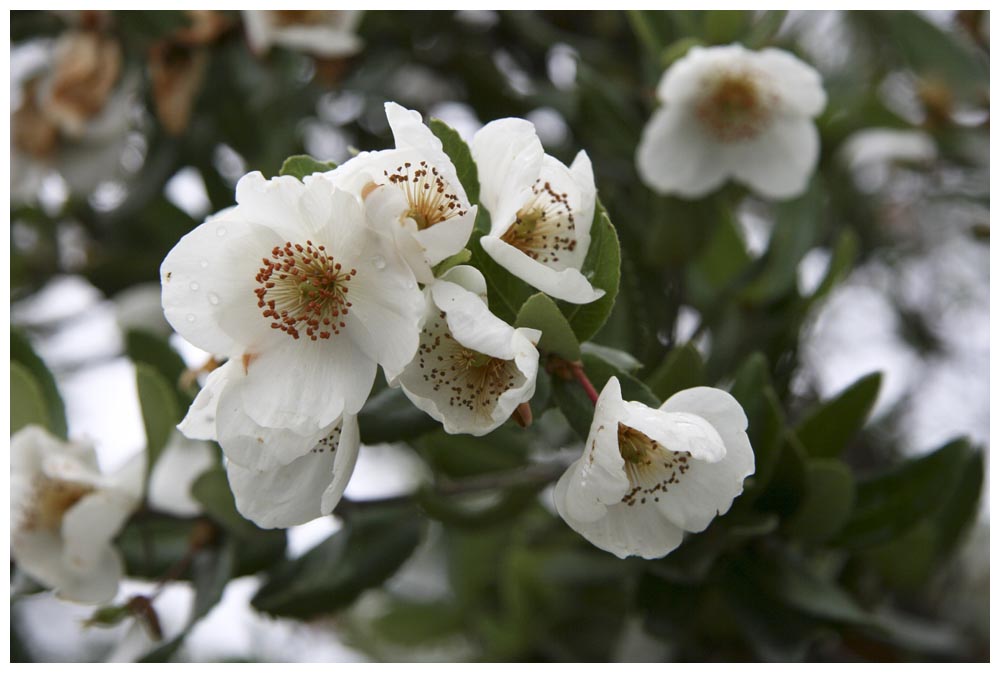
(65, 514)
(728, 112)
(648, 475)
(472, 369)
(302, 293)
(325, 33)
(540, 210)
(436, 217)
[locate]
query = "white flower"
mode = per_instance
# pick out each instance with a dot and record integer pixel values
(65, 514)
(177, 468)
(325, 33)
(472, 369)
(541, 212)
(437, 218)
(278, 478)
(302, 295)
(647, 475)
(730, 112)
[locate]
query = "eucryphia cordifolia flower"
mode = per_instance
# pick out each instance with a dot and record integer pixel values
(648, 475)
(728, 112)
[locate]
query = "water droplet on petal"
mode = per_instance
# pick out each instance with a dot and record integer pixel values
(378, 261)
(194, 286)
(204, 263)
(220, 231)
(213, 298)
(190, 317)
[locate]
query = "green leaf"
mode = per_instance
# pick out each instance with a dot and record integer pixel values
(212, 490)
(828, 501)
(388, 416)
(600, 370)
(801, 587)
(828, 429)
(890, 503)
(459, 153)
(21, 352)
(767, 433)
(786, 487)
(845, 250)
(160, 412)
(458, 456)
(540, 312)
(682, 368)
(602, 267)
(622, 360)
(460, 257)
(369, 549)
(419, 624)
(27, 401)
(144, 346)
(960, 511)
(765, 28)
(301, 165)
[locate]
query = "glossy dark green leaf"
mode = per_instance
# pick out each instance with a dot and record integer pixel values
(388, 416)
(160, 411)
(369, 549)
(828, 501)
(302, 165)
(458, 151)
(22, 352)
(540, 312)
(682, 368)
(786, 484)
(960, 511)
(828, 429)
(602, 267)
(458, 456)
(27, 401)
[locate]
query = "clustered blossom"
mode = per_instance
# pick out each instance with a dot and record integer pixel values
(728, 112)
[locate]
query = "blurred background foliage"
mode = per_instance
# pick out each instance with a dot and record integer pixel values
(845, 544)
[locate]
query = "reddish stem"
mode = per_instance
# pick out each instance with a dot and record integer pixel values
(588, 387)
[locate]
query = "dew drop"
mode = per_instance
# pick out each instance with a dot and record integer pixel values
(190, 317)
(194, 286)
(220, 231)
(213, 298)
(379, 262)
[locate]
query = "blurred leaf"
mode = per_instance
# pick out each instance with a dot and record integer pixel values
(388, 416)
(459, 153)
(419, 624)
(889, 504)
(786, 488)
(21, 352)
(828, 429)
(160, 412)
(575, 405)
(600, 370)
(541, 313)
(619, 359)
(212, 490)
(151, 545)
(800, 587)
(27, 403)
(960, 511)
(765, 28)
(720, 264)
(33, 24)
(723, 26)
(682, 368)
(302, 165)
(459, 456)
(766, 432)
(150, 25)
(456, 513)
(842, 260)
(368, 550)
(144, 346)
(602, 267)
(828, 501)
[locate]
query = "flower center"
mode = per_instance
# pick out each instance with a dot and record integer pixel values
(430, 198)
(544, 227)
(303, 289)
(473, 380)
(52, 498)
(735, 106)
(330, 442)
(650, 467)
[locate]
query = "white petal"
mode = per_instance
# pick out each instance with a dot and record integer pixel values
(180, 464)
(409, 132)
(90, 525)
(199, 422)
(40, 555)
(508, 156)
(568, 284)
(676, 431)
(302, 490)
(799, 85)
(328, 42)
(675, 156)
(446, 238)
(468, 277)
(779, 162)
(470, 321)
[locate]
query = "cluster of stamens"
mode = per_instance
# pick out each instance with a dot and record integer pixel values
(650, 467)
(50, 500)
(475, 381)
(736, 106)
(303, 289)
(545, 226)
(330, 442)
(428, 194)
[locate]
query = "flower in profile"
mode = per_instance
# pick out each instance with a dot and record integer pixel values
(728, 112)
(278, 478)
(323, 33)
(297, 288)
(472, 369)
(540, 210)
(647, 475)
(65, 514)
(437, 218)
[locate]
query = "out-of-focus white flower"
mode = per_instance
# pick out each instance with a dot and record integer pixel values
(472, 369)
(138, 307)
(728, 112)
(65, 513)
(873, 146)
(647, 475)
(279, 478)
(178, 467)
(325, 33)
(437, 218)
(302, 293)
(541, 211)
